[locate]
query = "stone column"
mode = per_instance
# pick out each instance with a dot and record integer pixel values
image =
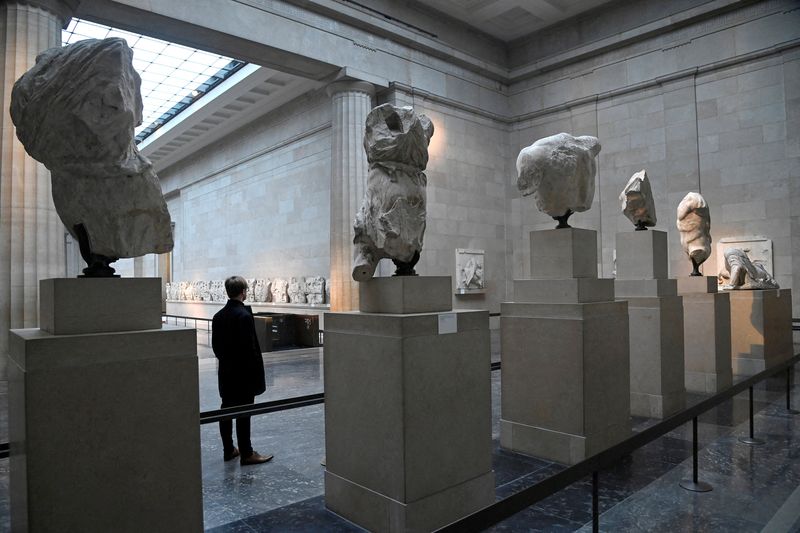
(31, 233)
(352, 101)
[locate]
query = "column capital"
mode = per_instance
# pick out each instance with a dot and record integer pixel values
(351, 86)
(63, 9)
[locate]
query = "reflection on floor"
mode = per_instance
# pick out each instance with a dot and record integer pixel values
(754, 487)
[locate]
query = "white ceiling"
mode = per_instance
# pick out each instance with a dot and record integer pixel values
(509, 19)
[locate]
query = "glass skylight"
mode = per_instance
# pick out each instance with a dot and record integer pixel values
(173, 76)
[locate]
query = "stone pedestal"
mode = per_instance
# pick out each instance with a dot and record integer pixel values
(761, 329)
(656, 324)
(407, 408)
(103, 413)
(565, 373)
(706, 333)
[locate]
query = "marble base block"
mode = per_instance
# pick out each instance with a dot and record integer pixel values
(407, 418)
(565, 378)
(707, 335)
(104, 431)
(761, 329)
(642, 255)
(98, 305)
(406, 294)
(656, 352)
(563, 253)
(575, 290)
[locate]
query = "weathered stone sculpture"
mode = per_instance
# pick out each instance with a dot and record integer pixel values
(315, 286)
(739, 272)
(694, 224)
(260, 290)
(279, 289)
(637, 201)
(75, 111)
(471, 275)
(217, 289)
(391, 221)
(559, 172)
(297, 290)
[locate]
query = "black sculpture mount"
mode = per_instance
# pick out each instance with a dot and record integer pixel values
(406, 269)
(640, 226)
(562, 220)
(99, 266)
(696, 268)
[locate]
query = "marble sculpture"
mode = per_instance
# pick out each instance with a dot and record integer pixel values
(279, 289)
(315, 286)
(694, 225)
(297, 290)
(471, 275)
(739, 272)
(75, 111)
(391, 221)
(559, 172)
(217, 289)
(637, 201)
(260, 290)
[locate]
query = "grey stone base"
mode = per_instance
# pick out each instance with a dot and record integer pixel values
(761, 329)
(557, 446)
(406, 294)
(707, 383)
(377, 512)
(657, 405)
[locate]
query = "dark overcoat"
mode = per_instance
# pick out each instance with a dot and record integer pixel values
(233, 339)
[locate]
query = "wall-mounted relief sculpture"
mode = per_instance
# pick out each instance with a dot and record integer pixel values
(559, 172)
(637, 201)
(279, 289)
(315, 286)
(391, 221)
(694, 225)
(740, 272)
(297, 290)
(260, 290)
(758, 249)
(75, 111)
(217, 289)
(469, 271)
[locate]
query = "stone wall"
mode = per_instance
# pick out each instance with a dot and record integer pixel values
(257, 203)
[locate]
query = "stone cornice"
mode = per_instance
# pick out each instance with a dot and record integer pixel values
(63, 9)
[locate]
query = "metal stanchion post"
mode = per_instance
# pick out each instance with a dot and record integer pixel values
(694, 484)
(751, 440)
(789, 409)
(595, 504)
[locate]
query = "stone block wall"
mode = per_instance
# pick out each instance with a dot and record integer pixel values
(256, 203)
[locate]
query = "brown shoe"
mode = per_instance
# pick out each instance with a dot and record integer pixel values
(256, 459)
(233, 455)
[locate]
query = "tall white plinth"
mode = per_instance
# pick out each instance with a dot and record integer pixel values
(706, 334)
(656, 324)
(565, 373)
(407, 407)
(761, 329)
(104, 413)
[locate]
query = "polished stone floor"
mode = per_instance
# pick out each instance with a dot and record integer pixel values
(755, 488)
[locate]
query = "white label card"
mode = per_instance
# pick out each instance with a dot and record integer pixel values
(448, 323)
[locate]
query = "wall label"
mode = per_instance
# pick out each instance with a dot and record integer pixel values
(448, 323)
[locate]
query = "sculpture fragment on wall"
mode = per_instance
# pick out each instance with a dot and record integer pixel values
(279, 289)
(637, 201)
(315, 286)
(694, 225)
(469, 271)
(391, 221)
(559, 172)
(297, 290)
(260, 290)
(75, 111)
(739, 272)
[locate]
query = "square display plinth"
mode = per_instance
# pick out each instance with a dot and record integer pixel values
(565, 378)
(104, 431)
(707, 337)
(405, 294)
(563, 253)
(407, 418)
(761, 329)
(642, 255)
(656, 352)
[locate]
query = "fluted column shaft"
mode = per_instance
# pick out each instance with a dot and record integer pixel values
(31, 233)
(352, 101)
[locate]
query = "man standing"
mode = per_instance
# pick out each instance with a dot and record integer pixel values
(241, 369)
